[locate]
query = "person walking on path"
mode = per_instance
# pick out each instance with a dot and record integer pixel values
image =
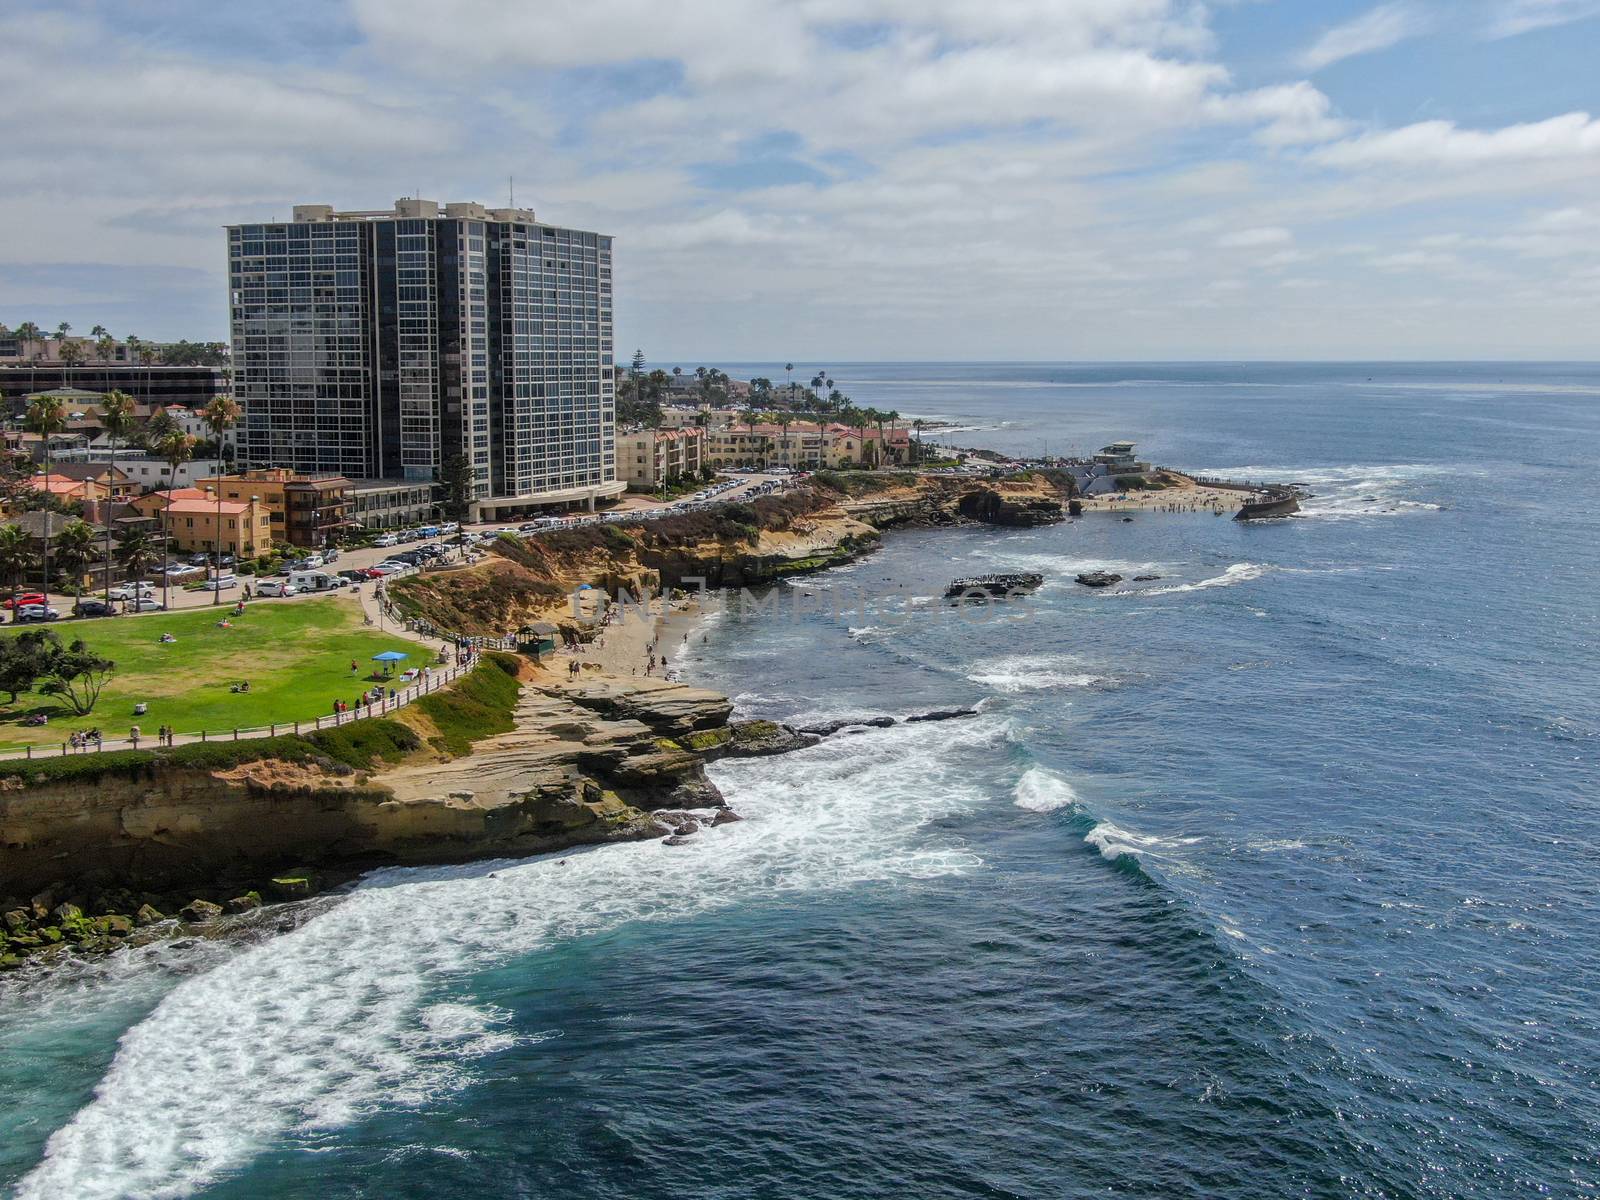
(133, 736)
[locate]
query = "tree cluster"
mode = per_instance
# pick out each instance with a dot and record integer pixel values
(36, 660)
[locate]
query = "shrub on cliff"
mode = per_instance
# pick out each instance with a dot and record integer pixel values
(143, 764)
(480, 704)
(862, 483)
(364, 744)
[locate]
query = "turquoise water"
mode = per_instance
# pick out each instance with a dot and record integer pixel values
(1274, 877)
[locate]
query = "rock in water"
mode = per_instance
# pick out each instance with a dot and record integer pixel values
(1145, 578)
(987, 505)
(994, 585)
(199, 911)
(148, 914)
(1099, 579)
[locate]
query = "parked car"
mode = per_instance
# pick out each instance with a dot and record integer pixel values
(311, 562)
(276, 587)
(23, 598)
(93, 608)
(35, 612)
(330, 555)
(221, 583)
(387, 568)
(354, 575)
(370, 572)
(127, 591)
(146, 604)
(387, 539)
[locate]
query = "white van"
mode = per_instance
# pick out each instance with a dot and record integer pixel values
(313, 581)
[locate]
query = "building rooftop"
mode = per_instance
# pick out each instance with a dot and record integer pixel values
(407, 208)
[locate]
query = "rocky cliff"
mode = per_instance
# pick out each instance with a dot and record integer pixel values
(737, 545)
(617, 760)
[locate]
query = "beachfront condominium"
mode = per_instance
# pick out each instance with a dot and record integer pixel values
(384, 345)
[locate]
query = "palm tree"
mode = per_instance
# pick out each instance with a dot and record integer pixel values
(70, 354)
(62, 330)
(116, 418)
(784, 417)
(176, 447)
(221, 415)
(47, 416)
(135, 554)
(104, 347)
(29, 334)
(74, 552)
(16, 557)
(917, 425)
(99, 331)
(788, 377)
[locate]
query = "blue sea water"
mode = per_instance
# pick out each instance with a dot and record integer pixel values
(1276, 876)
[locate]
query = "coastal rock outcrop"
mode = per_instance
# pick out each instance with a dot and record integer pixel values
(993, 507)
(1016, 582)
(1099, 579)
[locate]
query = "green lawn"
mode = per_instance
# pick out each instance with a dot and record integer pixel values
(296, 657)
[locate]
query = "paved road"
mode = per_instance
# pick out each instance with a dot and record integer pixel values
(178, 599)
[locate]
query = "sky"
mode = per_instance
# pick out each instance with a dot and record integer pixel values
(838, 180)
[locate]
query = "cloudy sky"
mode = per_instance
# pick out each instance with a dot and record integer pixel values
(853, 179)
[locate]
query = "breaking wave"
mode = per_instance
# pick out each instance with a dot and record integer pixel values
(1237, 573)
(1042, 790)
(1033, 673)
(343, 1016)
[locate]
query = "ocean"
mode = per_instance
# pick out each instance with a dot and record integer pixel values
(1275, 876)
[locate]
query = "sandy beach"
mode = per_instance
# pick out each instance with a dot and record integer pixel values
(1192, 498)
(632, 645)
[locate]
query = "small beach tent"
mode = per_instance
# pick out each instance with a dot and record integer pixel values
(390, 656)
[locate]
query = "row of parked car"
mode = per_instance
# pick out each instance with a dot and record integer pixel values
(399, 537)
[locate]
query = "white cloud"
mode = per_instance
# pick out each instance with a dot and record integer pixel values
(1242, 239)
(1291, 114)
(1523, 16)
(1377, 29)
(1428, 145)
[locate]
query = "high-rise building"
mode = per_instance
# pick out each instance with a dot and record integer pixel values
(382, 345)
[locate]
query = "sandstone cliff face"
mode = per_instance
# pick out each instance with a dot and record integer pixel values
(570, 773)
(810, 531)
(1009, 508)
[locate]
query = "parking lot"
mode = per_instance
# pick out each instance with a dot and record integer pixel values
(407, 550)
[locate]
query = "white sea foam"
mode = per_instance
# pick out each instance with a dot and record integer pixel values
(1042, 790)
(1034, 673)
(1065, 566)
(344, 1015)
(1113, 843)
(1237, 573)
(1356, 490)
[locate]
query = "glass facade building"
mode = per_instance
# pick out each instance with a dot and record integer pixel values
(381, 345)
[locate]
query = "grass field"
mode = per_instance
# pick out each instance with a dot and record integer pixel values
(295, 656)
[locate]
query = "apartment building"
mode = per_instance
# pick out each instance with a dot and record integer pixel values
(384, 344)
(647, 459)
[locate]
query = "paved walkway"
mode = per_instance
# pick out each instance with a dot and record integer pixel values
(430, 680)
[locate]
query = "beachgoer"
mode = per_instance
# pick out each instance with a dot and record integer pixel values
(133, 736)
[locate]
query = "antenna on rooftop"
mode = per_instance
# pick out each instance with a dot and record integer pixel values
(511, 191)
